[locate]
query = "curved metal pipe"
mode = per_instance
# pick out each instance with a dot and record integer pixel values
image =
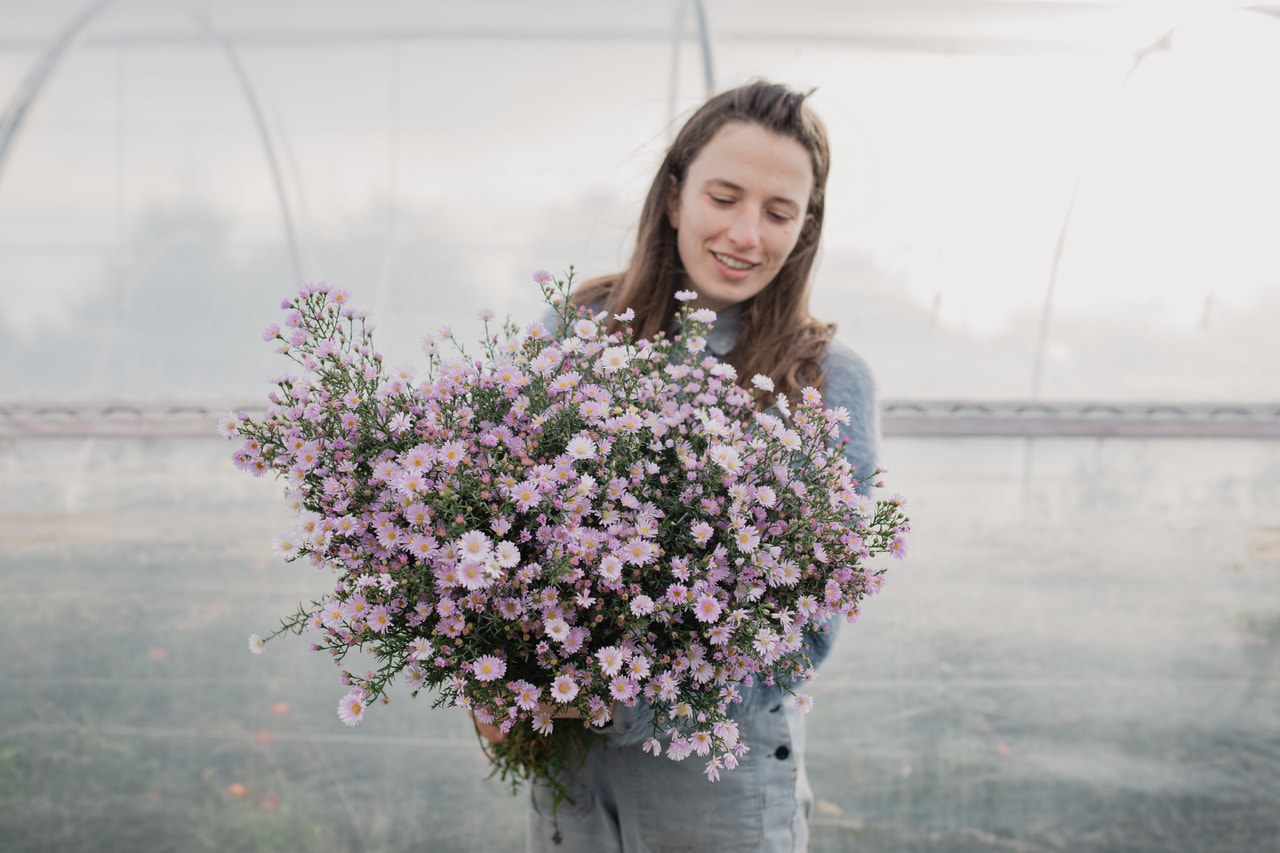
(39, 74)
(48, 62)
(708, 73)
(677, 31)
(1046, 312)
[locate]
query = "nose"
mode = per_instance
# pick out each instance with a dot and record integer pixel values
(744, 230)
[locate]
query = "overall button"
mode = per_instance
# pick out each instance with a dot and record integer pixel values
(776, 708)
(782, 753)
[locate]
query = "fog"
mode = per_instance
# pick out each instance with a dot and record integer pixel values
(430, 160)
(1082, 650)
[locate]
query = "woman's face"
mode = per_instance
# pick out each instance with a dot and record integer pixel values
(740, 212)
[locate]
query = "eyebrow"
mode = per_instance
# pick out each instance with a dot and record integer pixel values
(730, 185)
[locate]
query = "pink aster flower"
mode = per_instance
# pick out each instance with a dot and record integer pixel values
(379, 619)
(642, 605)
(474, 545)
(611, 660)
(489, 668)
(526, 496)
(475, 575)
(610, 568)
(351, 707)
(624, 690)
(686, 295)
(256, 644)
(640, 552)
(526, 695)
(452, 454)
(702, 532)
(638, 666)
(707, 609)
(564, 689)
(804, 703)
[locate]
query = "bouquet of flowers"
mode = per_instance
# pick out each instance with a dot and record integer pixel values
(572, 521)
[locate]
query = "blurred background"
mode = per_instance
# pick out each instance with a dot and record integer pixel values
(1050, 230)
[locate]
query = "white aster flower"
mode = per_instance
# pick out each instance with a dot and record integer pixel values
(286, 546)
(614, 359)
(507, 554)
(227, 425)
(764, 383)
(421, 649)
(581, 447)
(256, 644)
(557, 629)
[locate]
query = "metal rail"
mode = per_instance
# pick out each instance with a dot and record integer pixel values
(924, 418)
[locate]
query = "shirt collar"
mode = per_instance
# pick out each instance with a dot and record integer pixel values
(723, 334)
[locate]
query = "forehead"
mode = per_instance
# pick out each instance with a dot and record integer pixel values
(756, 160)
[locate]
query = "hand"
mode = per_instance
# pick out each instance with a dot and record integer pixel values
(489, 730)
(495, 735)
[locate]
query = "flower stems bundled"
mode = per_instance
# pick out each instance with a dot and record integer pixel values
(573, 522)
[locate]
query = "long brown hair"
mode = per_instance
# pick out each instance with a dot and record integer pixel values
(778, 336)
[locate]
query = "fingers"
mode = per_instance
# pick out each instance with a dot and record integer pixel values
(490, 732)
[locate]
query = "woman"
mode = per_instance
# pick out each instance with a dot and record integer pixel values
(734, 214)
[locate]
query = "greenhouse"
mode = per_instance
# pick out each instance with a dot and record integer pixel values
(1049, 230)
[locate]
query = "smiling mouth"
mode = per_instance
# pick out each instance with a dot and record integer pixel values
(733, 263)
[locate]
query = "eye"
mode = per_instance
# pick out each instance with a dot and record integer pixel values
(778, 216)
(721, 200)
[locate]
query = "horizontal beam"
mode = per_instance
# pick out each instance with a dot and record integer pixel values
(922, 418)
